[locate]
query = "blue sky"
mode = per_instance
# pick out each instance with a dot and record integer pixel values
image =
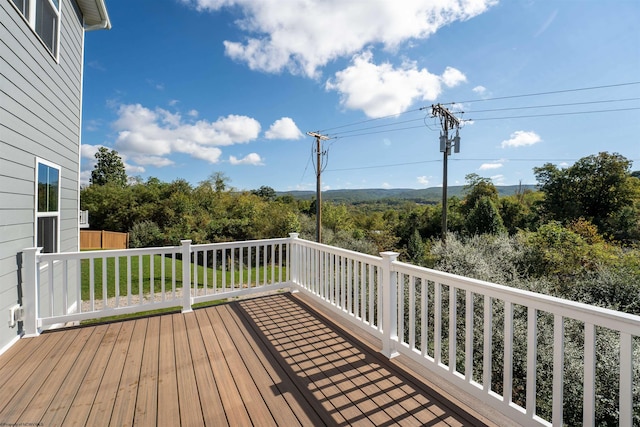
(186, 88)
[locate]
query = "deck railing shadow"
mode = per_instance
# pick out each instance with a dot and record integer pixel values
(339, 378)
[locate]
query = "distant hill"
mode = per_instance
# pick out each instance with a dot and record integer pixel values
(426, 195)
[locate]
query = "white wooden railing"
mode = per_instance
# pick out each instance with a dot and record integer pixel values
(73, 286)
(474, 334)
(478, 342)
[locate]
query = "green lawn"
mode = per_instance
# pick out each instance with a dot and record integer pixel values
(158, 260)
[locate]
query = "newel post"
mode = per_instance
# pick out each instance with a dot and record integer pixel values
(186, 275)
(293, 259)
(389, 305)
(30, 292)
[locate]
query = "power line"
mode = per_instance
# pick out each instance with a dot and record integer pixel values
(338, 135)
(361, 130)
(341, 135)
(370, 120)
(483, 100)
(547, 93)
(554, 114)
(554, 105)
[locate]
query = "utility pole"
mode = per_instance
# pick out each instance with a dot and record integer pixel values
(448, 122)
(319, 168)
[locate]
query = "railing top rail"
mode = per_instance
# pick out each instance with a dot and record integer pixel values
(616, 320)
(372, 259)
(238, 244)
(108, 253)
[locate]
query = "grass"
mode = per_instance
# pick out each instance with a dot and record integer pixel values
(144, 279)
(148, 313)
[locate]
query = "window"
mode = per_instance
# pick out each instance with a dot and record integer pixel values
(47, 205)
(44, 17)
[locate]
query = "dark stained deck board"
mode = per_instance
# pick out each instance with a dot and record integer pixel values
(265, 361)
(146, 403)
(103, 404)
(124, 404)
(294, 348)
(229, 395)
(13, 375)
(291, 392)
(322, 404)
(188, 397)
(38, 404)
(19, 402)
(212, 410)
(88, 388)
(168, 406)
(265, 385)
(64, 398)
(249, 393)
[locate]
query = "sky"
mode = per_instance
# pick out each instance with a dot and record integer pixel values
(183, 89)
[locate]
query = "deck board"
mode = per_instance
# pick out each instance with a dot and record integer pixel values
(66, 394)
(146, 408)
(168, 407)
(188, 398)
(39, 403)
(88, 389)
(103, 404)
(125, 402)
(229, 395)
(264, 361)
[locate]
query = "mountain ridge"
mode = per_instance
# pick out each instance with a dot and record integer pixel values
(424, 195)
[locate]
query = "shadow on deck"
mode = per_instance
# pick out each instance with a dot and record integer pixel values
(271, 360)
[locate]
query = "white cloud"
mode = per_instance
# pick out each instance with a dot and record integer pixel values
(284, 128)
(498, 179)
(250, 159)
(149, 136)
(382, 90)
(193, 113)
(480, 90)
(521, 138)
(156, 161)
(423, 180)
(386, 185)
(452, 77)
(305, 35)
(88, 151)
(489, 166)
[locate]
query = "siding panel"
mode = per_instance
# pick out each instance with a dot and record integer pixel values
(40, 115)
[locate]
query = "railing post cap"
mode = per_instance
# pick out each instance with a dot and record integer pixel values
(390, 254)
(294, 235)
(185, 242)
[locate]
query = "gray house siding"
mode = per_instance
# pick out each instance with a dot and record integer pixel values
(40, 117)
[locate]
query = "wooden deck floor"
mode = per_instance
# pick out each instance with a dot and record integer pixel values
(264, 361)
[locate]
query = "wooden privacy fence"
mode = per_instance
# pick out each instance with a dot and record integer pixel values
(91, 239)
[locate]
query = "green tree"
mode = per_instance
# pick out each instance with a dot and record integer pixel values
(477, 188)
(484, 218)
(265, 192)
(416, 249)
(109, 169)
(594, 188)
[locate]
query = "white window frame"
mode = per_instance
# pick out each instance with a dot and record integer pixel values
(53, 214)
(31, 20)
